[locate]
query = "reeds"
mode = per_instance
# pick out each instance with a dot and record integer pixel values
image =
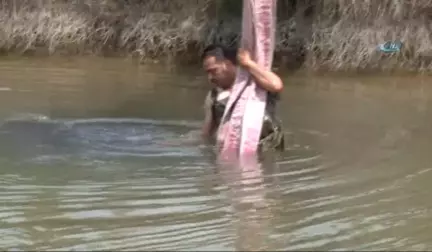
(146, 28)
(346, 34)
(338, 35)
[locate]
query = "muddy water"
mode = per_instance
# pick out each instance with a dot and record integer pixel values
(104, 154)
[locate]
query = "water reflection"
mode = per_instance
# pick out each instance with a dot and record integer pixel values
(247, 197)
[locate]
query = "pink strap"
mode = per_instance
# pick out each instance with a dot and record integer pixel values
(240, 129)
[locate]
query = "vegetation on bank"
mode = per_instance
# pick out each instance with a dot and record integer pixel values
(335, 35)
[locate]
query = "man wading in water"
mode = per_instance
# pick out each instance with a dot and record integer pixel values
(220, 65)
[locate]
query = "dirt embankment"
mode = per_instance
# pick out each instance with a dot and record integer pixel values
(331, 35)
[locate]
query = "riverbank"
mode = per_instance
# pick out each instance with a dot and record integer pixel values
(315, 36)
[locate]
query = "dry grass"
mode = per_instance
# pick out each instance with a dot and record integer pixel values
(346, 34)
(341, 35)
(25, 28)
(147, 28)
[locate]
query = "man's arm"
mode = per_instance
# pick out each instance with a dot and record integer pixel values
(207, 127)
(267, 80)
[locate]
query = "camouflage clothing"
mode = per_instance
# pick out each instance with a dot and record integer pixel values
(271, 133)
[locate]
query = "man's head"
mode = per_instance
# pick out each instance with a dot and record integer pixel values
(220, 65)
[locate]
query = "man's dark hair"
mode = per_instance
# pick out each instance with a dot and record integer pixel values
(220, 53)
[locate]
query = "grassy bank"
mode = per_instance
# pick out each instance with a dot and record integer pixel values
(334, 35)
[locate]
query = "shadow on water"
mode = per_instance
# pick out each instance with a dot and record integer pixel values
(92, 174)
(134, 147)
(101, 138)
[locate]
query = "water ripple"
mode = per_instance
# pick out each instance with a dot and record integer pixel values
(135, 184)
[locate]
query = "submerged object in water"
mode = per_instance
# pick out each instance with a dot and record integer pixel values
(390, 46)
(240, 128)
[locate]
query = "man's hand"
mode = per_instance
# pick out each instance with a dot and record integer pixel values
(244, 58)
(265, 79)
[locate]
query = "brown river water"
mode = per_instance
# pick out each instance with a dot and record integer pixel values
(99, 154)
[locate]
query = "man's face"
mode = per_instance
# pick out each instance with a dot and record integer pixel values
(219, 72)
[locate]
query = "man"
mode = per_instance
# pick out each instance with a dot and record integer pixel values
(220, 64)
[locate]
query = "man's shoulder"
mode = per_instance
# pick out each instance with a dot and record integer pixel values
(208, 101)
(214, 92)
(273, 95)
